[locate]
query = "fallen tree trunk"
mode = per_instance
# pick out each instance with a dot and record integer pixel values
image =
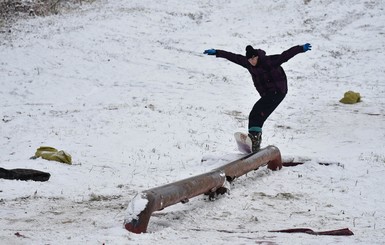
(141, 207)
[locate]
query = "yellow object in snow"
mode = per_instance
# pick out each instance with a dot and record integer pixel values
(52, 154)
(351, 97)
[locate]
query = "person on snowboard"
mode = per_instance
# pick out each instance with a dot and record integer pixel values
(269, 79)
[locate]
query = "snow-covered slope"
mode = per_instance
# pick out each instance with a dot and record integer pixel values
(123, 87)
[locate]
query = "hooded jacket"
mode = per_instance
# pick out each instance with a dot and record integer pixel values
(268, 75)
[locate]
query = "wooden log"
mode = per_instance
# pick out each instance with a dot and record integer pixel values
(142, 206)
(269, 155)
(160, 197)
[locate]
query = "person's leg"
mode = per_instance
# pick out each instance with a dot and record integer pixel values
(262, 110)
(258, 115)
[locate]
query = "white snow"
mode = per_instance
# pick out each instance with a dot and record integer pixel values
(136, 206)
(124, 88)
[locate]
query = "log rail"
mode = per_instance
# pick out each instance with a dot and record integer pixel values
(142, 206)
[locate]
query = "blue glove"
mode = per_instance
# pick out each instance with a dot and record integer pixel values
(210, 51)
(306, 47)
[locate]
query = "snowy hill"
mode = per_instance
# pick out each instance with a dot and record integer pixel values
(124, 88)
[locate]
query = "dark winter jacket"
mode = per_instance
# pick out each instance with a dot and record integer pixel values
(268, 75)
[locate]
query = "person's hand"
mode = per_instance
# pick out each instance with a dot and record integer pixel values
(210, 51)
(306, 47)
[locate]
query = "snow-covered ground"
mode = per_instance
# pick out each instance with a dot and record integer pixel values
(124, 88)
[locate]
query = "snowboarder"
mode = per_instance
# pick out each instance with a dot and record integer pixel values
(269, 79)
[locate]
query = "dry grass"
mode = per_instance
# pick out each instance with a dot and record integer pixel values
(12, 10)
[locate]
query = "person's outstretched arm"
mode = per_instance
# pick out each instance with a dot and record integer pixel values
(235, 58)
(277, 60)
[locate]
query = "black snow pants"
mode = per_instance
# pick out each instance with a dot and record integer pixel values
(263, 108)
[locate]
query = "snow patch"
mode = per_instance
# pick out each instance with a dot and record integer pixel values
(136, 206)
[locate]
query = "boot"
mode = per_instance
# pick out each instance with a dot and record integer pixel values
(256, 139)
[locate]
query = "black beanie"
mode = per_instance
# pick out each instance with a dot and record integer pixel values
(250, 52)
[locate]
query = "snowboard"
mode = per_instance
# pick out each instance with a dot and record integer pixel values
(243, 142)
